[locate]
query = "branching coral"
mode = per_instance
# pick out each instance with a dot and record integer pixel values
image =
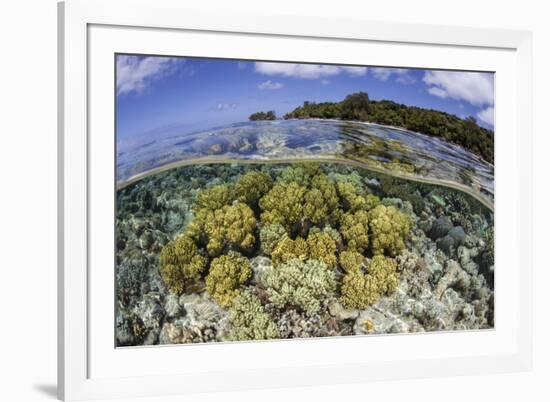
(227, 273)
(354, 230)
(252, 186)
(181, 263)
(360, 290)
(230, 227)
(301, 285)
(270, 235)
(283, 204)
(214, 197)
(388, 227)
(249, 320)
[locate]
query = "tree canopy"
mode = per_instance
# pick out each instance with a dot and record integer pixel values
(270, 115)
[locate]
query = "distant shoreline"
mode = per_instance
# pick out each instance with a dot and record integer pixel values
(465, 132)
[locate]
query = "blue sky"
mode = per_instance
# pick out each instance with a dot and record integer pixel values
(159, 96)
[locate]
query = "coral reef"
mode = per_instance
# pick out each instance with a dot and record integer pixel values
(213, 253)
(333, 233)
(300, 173)
(288, 249)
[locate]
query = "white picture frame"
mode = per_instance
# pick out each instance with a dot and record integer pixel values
(89, 367)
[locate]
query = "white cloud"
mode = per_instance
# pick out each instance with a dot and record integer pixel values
(135, 73)
(475, 88)
(355, 71)
(487, 115)
(439, 92)
(381, 74)
(241, 65)
(402, 75)
(325, 82)
(270, 85)
(306, 71)
(225, 106)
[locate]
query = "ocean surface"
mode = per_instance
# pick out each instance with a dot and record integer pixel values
(397, 152)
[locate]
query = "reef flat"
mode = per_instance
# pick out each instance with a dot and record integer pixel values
(239, 252)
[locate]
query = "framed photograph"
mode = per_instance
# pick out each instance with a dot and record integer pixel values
(264, 201)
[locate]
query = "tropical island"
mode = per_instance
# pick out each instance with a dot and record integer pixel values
(358, 107)
(269, 115)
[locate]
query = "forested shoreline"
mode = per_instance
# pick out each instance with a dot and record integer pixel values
(358, 107)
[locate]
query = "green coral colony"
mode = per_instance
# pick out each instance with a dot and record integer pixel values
(274, 248)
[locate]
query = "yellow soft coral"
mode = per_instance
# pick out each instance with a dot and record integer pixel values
(350, 197)
(300, 173)
(322, 247)
(321, 201)
(319, 246)
(230, 227)
(288, 249)
(251, 186)
(227, 273)
(388, 227)
(214, 197)
(181, 263)
(354, 230)
(351, 260)
(270, 236)
(283, 204)
(360, 290)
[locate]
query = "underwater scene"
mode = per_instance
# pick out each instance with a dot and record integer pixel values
(354, 217)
